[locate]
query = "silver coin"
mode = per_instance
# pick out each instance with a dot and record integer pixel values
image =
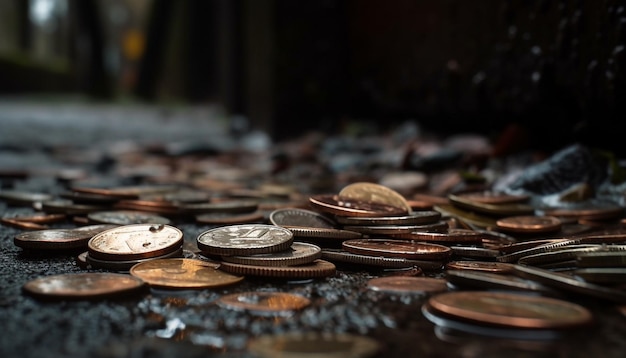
(130, 242)
(126, 217)
(300, 253)
(415, 218)
(245, 240)
(301, 218)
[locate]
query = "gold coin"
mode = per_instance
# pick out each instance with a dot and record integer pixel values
(264, 303)
(182, 273)
(404, 284)
(314, 345)
(375, 193)
(130, 242)
(83, 285)
(511, 310)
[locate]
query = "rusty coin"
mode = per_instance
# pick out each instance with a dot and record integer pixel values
(375, 193)
(333, 204)
(245, 239)
(83, 285)
(182, 274)
(529, 224)
(404, 284)
(397, 248)
(138, 241)
(511, 310)
(316, 269)
(264, 303)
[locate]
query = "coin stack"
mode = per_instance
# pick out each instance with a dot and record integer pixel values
(122, 247)
(263, 250)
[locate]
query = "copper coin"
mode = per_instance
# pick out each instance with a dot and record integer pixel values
(138, 241)
(379, 261)
(182, 274)
(492, 267)
(491, 197)
(451, 236)
(315, 269)
(374, 193)
(126, 217)
(529, 224)
(400, 231)
(414, 218)
(314, 345)
(230, 218)
(511, 310)
(397, 248)
(299, 253)
(126, 192)
(403, 284)
(53, 239)
(151, 206)
(602, 275)
(24, 225)
(333, 204)
(301, 218)
(245, 239)
(83, 285)
(264, 303)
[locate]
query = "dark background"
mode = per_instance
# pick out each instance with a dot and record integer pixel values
(552, 69)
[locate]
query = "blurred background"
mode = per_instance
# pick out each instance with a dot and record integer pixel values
(551, 72)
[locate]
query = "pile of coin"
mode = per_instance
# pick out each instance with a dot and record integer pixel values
(263, 250)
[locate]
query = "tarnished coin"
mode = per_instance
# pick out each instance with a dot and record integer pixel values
(230, 218)
(316, 269)
(414, 218)
(138, 241)
(126, 217)
(492, 267)
(492, 197)
(333, 204)
(529, 224)
(403, 284)
(511, 310)
(571, 284)
(314, 345)
(83, 286)
(264, 303)
(299, 253)
(397, 248)
(23, 198)
(182, 274)
(374, 193)
(300, 218)
(247, 239)
(491, 209)
(493, 281)
(341, 256)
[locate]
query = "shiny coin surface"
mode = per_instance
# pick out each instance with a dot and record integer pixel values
(126, 217)
(397, 248)
(299, 253)
(138, 241)
(398, 230)
(414, 218)
(529, 224)
(333, 204)
(83, 285)
(325, 233)
(230, 218)
(340, 256)
(492, 267)
(375, 193)
(264, 303)
(53, 239)
(314, 345)
(182, 274)
(403, 284)
(316, 269)
(511, 310)
(300, 218)
(245, 240)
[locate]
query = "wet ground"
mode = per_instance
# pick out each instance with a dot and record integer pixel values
(163, 323)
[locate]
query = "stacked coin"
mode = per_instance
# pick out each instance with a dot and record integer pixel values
(263, 250)
(124, 246)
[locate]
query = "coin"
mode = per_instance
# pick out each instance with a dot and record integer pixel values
(567, 253)
(474, 252)
(299, 253)
(529, 224)
(602, 275)
(126, 265)
(39, 218)
(23, 198)
(511, 310)
(230, 218)
(126, 192)
(230, 206)
(83, 285)
(374, 193)
(491, 209)
(494, 281)
(324, 233)
(151, 206)
(492, 197)
(182, 274)
(333, 204)
(414, 218)
(53, 239)
(570, 283)
(451, 236)
(397, 248)
(403, 284)
(401, 231)
(138, 241)
(602, 259)
(68, 207)
(301, 218)
(126, 217)
(264, 303)
(493, 267)
(589, 211)
(379, 261)
(24, 225)
(314, 345)
(316, 269)
(245, 239)
(470, 217)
